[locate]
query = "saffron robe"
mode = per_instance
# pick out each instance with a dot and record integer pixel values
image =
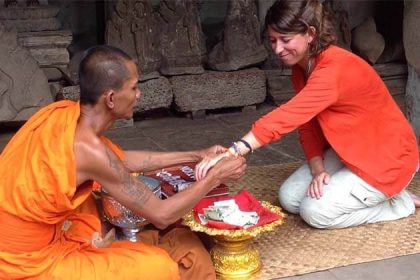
(47, 223)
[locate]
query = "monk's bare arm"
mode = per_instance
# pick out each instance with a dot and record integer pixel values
(146, 161)
(106, 168)
(131, 187)
(97, 162)
(137, 161)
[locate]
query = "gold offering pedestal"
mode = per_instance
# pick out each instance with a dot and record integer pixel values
(233, 254)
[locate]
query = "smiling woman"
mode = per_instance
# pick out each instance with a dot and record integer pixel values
(351, 177)
(298, 31)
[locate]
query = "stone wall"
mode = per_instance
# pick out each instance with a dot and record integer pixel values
(412, 50)
(198, 55)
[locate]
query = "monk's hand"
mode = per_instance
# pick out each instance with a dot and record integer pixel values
(206, 163)
(316, 187)
(211, 151)
(229, 169)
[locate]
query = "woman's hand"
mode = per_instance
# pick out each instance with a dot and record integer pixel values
(320, 177)
(316, 187)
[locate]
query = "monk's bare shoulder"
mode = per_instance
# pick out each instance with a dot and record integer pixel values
(96, 161)
(90, 155)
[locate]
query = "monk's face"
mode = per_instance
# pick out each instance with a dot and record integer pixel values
(126, 98)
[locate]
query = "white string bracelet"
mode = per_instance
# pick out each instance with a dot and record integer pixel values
(236, 149)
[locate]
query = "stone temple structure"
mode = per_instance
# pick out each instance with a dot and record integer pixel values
(23, 85)
(39, 30)
(194, 55)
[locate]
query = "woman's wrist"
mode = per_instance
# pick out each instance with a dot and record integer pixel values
(240, 148)
(316, 165)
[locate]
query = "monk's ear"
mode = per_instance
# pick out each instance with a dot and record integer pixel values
(109, 98)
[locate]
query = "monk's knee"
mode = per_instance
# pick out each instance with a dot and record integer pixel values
(164, 267)
(195, 262)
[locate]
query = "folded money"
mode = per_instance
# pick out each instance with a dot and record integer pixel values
(217, 213)
(242, 219)
(203, 219)
(228, 212)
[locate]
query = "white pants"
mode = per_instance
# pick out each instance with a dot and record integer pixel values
(347, 199)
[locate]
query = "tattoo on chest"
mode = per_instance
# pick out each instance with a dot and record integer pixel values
(136, 190)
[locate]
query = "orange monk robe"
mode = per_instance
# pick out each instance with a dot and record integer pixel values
(47, 223)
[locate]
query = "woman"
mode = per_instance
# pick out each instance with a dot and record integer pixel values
(361, 151)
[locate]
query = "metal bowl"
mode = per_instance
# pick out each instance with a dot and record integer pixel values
(122, 217)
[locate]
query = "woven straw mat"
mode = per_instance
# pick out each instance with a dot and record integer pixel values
(294, 248)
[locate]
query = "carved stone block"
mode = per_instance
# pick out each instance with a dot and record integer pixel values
(241, 45)
(413, 100)
(23, 85)
(50, 56)
(396, 84)
(411, 34)
(394, 76)
(367, 42)
(132, 26)
(38, 12)
(28, 25)
(155, 93)
(69, 93)
(57, 38)
(279, 85)
(181, 38)
(213, 90)
(52, 73)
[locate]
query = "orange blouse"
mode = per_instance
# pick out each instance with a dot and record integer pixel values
(345, 105)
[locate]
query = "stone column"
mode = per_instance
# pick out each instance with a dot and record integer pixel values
(133, 27)
(411, 38)
(241, 45)
(181, 38)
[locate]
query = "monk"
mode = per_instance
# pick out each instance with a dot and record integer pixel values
(48, 217)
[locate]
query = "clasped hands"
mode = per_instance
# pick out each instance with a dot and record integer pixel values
(223, 163)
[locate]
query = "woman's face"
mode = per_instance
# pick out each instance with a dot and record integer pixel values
(291, 48)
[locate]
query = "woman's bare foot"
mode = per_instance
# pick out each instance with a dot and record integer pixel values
(415, 198)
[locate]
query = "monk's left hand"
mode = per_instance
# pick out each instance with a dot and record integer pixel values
(212, 151)
(207, 163)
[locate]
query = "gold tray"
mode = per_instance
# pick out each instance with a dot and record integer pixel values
(190, 221)
(233, 255)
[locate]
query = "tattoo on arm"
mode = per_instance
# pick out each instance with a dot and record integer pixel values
(131, 187)
(146, 163)
(150, 162)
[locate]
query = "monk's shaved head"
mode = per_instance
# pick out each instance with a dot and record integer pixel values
(102, 68)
